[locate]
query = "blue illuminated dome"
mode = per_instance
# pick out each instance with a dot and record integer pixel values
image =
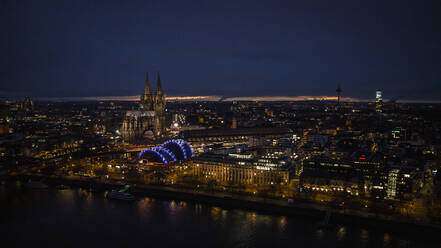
(180, 148)
(168, 155)
(187, 148)
(152, 156)
(170, 151)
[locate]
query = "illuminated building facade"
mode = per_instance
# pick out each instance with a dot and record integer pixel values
(230, 136)
(399, 184)
(149, 120)
(241, 169)
(233, 134)
(365, 176)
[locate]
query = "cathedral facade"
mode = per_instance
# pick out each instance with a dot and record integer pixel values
(148, 122)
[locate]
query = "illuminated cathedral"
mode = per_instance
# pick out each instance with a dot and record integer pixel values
(148, 122)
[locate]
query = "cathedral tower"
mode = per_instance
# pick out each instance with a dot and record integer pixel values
(159, 98)
(148, 122)
(159, 106)
(146, 102)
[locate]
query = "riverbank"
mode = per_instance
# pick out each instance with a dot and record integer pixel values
(314, 213)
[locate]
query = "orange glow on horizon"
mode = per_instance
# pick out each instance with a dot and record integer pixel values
(229, 99)
(180, 98)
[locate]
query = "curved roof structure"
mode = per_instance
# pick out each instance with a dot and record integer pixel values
(187, 148)
(180, 148)
(152, 156)
(170, 151)
(168, 155)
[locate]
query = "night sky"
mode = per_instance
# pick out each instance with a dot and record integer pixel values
(231, 48)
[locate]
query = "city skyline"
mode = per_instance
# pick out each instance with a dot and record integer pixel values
(86, 48)
(214, 98)
(220, 98)
(251, 123)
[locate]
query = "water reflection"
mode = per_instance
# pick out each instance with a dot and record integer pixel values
(197, 208)
(282, 223)
(176, 207)
(242, 228)
(251, 217)
(67, 196)
(215, 213)
(224, 213)
(341, 232)
(266, 220)
(144, 206)
(172, 204)
(386, 239)
(173, 207)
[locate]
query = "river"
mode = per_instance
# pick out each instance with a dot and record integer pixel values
(78, 218)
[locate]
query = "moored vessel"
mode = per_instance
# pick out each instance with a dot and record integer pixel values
(121, 194)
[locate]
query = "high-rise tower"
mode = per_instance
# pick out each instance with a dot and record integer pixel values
(338, 90)
(379, 101)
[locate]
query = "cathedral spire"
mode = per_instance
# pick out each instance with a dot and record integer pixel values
(146, 98)
(159, 87)
(147, 85)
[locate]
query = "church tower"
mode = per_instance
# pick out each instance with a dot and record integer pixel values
(146, 102)
(159, 106)
(159, 98)
(148, 122)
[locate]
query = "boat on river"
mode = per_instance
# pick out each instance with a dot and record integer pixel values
(121, 194)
